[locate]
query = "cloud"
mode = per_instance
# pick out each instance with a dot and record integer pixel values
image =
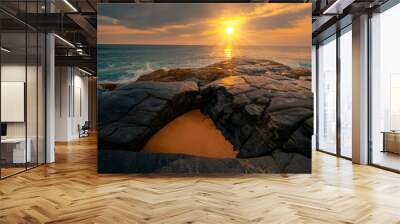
(106, 20)
(281, 18)
(152, 15)
(194, 23)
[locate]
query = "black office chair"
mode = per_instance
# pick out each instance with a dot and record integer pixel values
(84, 130)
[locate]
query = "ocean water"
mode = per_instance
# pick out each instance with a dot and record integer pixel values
(122, 63)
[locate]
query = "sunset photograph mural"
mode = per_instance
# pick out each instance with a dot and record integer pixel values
(204, 88)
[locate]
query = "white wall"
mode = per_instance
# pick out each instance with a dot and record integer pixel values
(33, 126)
(62, 81)
(80, 102)
(13, 101)
(70, 84)
(12, 73)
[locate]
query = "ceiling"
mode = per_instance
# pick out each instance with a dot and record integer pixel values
(332, 15)
(74, 22)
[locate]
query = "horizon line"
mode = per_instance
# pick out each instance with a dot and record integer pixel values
(203, 45)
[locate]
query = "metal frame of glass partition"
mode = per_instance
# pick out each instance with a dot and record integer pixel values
(39, 36)
(387, 5)
(339, 32)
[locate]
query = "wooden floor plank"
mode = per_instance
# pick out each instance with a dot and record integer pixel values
(71, 191)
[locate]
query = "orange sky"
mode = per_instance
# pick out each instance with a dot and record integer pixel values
(205, 24)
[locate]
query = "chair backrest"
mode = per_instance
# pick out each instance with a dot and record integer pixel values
(86, 125)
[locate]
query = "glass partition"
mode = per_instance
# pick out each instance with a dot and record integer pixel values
(346, 92)
(31, 99)
(327, 95)
(14, 153)
(22, 77)
(385, 89)
(41, 97)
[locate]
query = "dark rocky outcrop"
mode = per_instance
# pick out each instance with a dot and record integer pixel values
(265, 109)
(132, 113)
(261, 114)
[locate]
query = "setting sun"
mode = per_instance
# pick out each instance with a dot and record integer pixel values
(229, 30)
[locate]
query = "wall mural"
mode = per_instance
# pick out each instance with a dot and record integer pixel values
(204, 88)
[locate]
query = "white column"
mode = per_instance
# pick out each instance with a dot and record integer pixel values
(63, 77)
(50, 99)
(360, 90)
(50, 92)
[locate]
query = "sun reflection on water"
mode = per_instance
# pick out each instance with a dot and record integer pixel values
(228, 52)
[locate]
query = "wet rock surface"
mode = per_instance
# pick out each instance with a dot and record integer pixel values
(132, 113)
(232, 67)
(265, 109)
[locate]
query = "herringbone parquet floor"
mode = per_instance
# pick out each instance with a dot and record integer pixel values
(71, 191)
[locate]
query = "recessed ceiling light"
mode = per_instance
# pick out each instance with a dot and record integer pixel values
(5, 50)
(337, 7)
(70, 5)
(64, 40)
(84, 71)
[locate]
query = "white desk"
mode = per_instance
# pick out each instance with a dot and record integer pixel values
(19, 154)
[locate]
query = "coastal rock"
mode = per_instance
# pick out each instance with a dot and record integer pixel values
(132, 113)
(228, 68)
(259, 115)
(201, 75)
(264, 108)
